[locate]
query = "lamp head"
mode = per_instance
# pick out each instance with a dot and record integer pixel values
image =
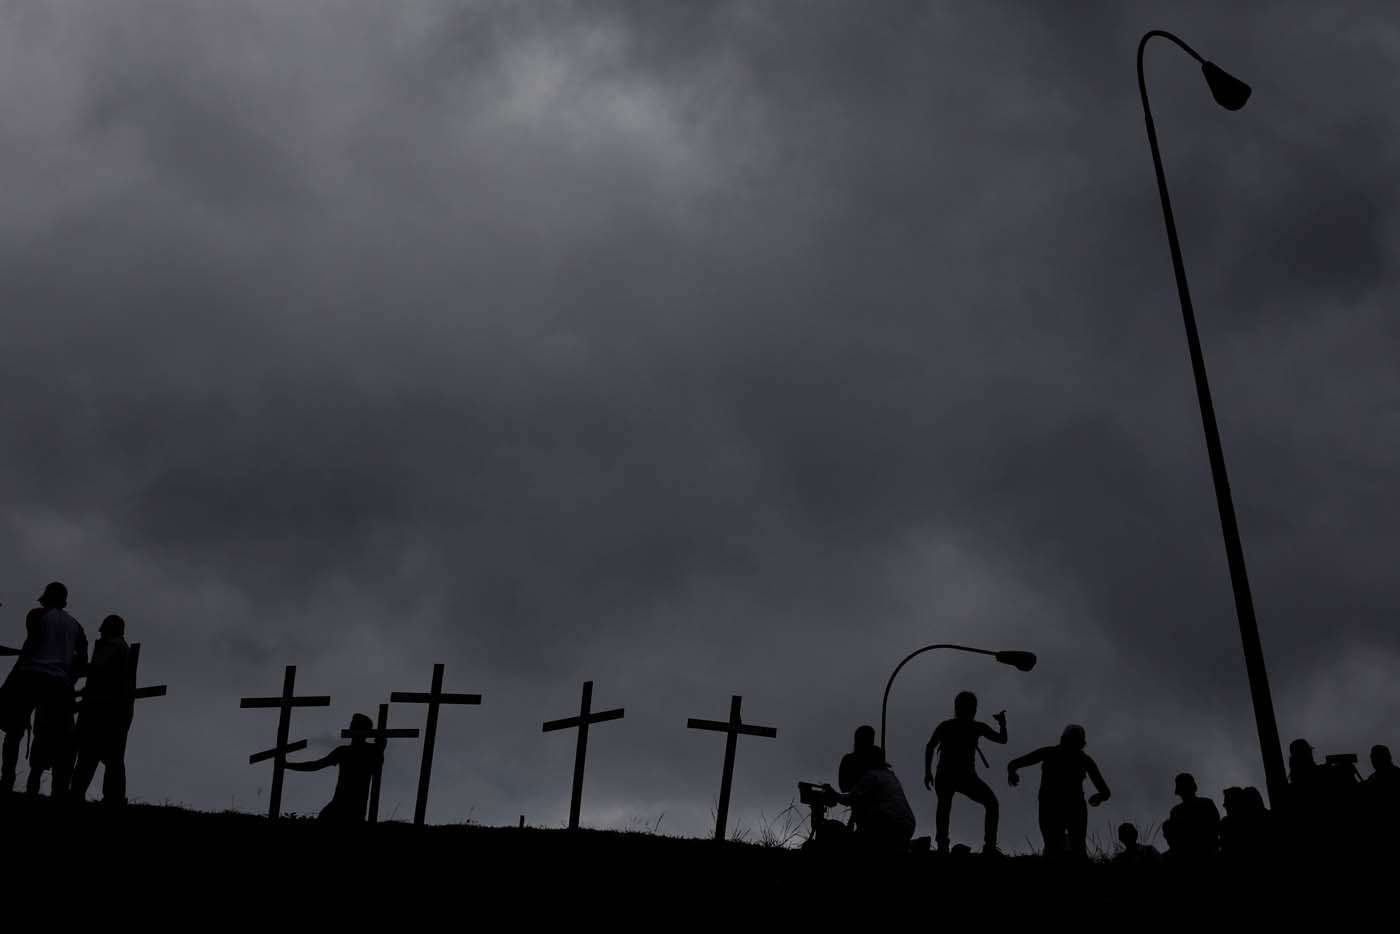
(1229, 92)
(1022, 661)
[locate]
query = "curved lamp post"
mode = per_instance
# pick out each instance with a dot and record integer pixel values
(1230, 93)
(1023, 661)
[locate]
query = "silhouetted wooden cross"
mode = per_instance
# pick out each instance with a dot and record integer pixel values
(733, 727)
(133, 660)
(584, 718)
(278, 753)
(133, 693)
(382, 734)
(433, 698)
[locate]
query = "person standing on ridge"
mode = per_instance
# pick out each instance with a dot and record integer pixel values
(105, 718)
(54, 656)
(956, 742)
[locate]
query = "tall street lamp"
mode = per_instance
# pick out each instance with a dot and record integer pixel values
(1024, 661)
(1230, 93)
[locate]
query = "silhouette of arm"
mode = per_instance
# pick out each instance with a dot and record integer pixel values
(1030, 758)
(315, 765)
(1100, 786)
(998, 735)
(80, 656)
(32, 621)
(933, 742)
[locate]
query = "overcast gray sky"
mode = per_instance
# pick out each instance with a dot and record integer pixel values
(701, 349)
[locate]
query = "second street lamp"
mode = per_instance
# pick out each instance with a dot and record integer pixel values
(1230, 93)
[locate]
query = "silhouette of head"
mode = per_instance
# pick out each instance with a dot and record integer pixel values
(1186, 785)
(1380, 757)
(113, 626)
(1300, 756)
(360, 722)
(1234, 800)
(965, 705)
(865, 737)
(54, 597)
(1252, 800)
(1127, 835)
(1073, 737)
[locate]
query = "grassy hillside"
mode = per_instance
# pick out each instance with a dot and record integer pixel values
(242, 867)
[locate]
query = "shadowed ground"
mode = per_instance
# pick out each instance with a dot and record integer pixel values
(191, 867)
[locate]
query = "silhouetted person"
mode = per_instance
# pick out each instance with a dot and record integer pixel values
(1246, 830)
(1193, 829)
(1134, 853)
(1064, 819)
(54, 656)
(105, 718)
(1380, 796)
(883, 820)
(864, 755)
(358, 762)
(1307, 796)
(956, 742)
(1385, 774)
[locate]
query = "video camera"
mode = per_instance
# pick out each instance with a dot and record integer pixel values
(1342, 766)
(816, 796)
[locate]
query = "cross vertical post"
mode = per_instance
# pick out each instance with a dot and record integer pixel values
(284, 725)
(134, 659)
(278, 753)
(434, 698)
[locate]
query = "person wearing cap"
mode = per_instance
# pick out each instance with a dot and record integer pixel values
(105, 718)
(358, 762)
(54, 656)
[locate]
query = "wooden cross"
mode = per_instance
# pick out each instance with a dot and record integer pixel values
(381, 734)
(734, 726)
(133, 659)
(433, 698)
(278, 753)
(584, 718)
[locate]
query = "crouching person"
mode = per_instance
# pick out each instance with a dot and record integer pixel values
(884, 822)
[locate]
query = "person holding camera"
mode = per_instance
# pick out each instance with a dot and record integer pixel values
(1064, 819)
(956, 742)
(882, 818)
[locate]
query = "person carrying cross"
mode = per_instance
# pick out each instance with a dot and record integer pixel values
(54, 656)
(956, 741)
(105, 718)
(357, 763)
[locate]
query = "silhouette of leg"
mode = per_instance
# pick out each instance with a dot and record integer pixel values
(1077, 829)
(114, 778)
(84, 771)
(944, 788)
(38, 757)
(57, 719)
(11, 759)
(1051, 830)
(979, 791)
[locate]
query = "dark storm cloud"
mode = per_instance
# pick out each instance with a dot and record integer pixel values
(700, 349)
